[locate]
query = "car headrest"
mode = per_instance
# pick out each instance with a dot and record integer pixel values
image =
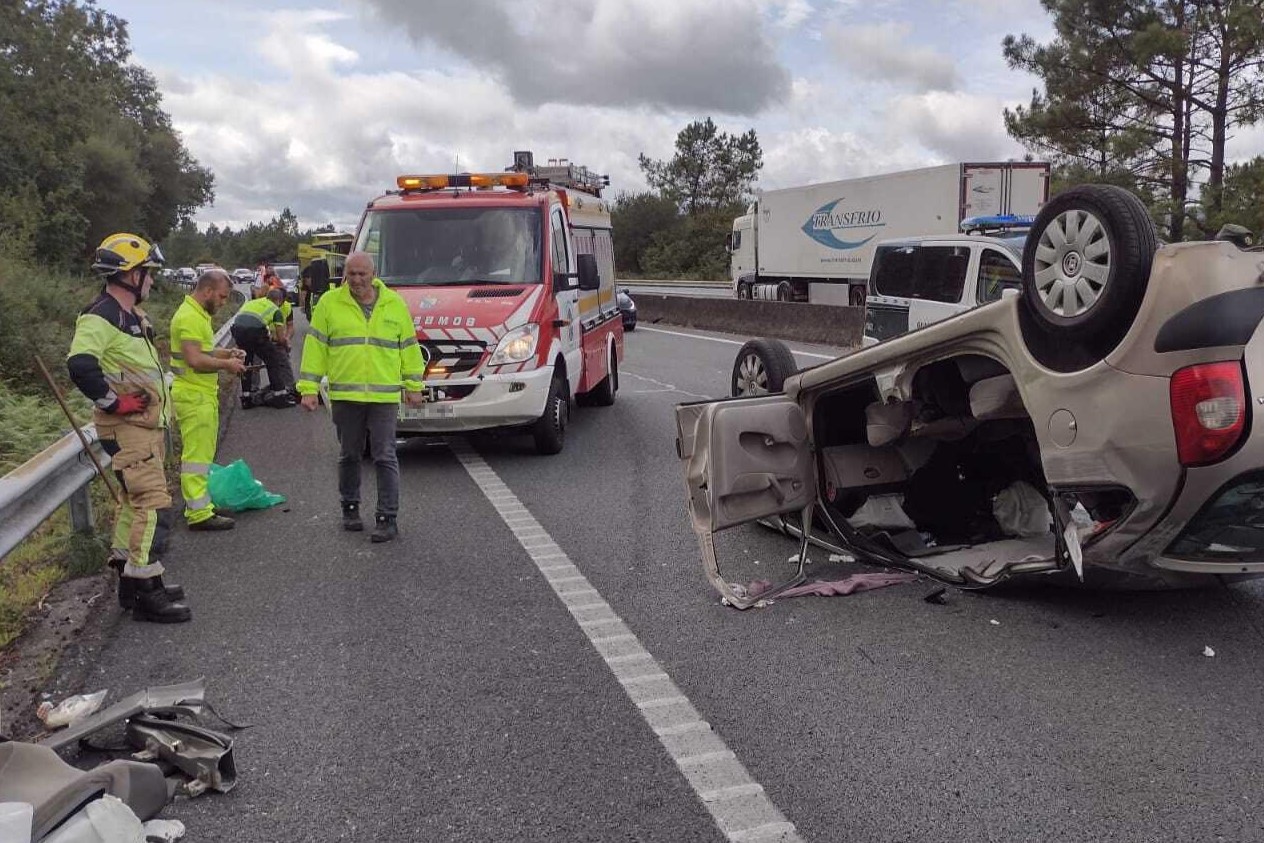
(885, 423)
(996, 398)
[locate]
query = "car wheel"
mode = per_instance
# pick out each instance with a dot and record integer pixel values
(761, 367)
(549, 430)
(630, 325)
(784, 293)
(237, 298)
(603, 394)
(1086, 265)
(744, 291)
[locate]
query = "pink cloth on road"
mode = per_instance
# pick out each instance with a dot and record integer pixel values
(836, 588)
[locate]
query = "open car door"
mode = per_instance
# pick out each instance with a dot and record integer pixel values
(745, 459)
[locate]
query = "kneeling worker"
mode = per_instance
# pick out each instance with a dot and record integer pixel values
(196, 363)
(259, 329)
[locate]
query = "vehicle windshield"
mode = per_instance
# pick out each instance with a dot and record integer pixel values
(433, 247)
(287, 272)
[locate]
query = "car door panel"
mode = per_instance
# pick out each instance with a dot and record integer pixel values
(744, 459)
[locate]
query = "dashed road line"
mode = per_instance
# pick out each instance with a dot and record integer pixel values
(737, 803)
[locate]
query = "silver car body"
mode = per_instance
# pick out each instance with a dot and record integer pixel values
(1109, 426)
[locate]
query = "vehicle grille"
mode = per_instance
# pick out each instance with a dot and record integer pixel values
(457, 358)
(494, 293)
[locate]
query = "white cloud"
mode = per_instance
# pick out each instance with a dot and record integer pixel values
(882, 53)
(323, 140)
(666, 54)
(956, 126)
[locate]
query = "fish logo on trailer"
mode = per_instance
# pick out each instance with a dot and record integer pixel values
(843, 229)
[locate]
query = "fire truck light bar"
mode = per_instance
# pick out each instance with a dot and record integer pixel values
(440, 182)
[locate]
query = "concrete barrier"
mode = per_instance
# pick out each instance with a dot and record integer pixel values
(816, 323)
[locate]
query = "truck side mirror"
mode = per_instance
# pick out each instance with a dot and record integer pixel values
(589, 278)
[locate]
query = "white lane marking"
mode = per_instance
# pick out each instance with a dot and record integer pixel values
(731, 342)
(744, 812)
(665, 387)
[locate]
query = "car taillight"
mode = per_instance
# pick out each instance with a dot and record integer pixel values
(1208, 411)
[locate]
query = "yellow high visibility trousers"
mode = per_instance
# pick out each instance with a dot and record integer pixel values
(198, 415)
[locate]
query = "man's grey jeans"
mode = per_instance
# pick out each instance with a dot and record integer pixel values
(353, 420)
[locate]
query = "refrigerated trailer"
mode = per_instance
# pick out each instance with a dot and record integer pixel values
(817, 243)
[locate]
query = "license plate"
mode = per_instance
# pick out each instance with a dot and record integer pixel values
(428, 411)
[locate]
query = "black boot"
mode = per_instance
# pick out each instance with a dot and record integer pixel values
(385, 530)
(351, 517)
(248, 401)
(152, 602)
(214, 523)
(127, 585)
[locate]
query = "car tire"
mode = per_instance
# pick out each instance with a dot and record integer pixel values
(236, 298)
(1086, 265)
(631, 326)
(549, 431)
(744, 291)
(784, 292)
(602, 395)
(762, 366)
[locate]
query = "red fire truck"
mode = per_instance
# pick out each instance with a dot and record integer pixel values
(510, 280)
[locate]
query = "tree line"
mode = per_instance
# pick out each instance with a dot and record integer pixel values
(85, 147)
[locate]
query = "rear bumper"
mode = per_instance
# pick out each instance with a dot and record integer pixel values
(495, 401)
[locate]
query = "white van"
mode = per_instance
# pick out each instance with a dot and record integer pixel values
(917, 281)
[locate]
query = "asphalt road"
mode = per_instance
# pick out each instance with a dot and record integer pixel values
(437, 689)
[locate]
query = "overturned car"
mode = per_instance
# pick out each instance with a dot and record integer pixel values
(1101, 423)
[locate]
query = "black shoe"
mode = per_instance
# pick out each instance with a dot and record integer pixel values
(248, 402)
(351, 517)
(280, 401)
(127, 585)
(215, 522)
(385, 531)
(153, 604)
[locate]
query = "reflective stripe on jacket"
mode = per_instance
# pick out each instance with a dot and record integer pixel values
(191, 323)
(365, 360)
(112, 353)
(260, 311)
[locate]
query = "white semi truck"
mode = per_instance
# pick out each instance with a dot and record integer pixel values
(817, 243)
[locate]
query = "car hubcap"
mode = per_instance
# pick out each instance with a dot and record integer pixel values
(1072, 265)
(752, 377)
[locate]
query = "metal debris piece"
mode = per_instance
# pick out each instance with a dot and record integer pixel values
(184, 698)
(203, 755)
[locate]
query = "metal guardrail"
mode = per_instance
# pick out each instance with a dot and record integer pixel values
(57, 475)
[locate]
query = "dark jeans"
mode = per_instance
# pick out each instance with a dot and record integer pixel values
(259, 346)
(353, 420)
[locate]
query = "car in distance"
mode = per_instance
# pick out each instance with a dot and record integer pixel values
(1102, 425)
(627, 309)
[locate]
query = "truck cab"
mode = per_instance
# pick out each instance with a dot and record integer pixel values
(917, 281)
(510, 281)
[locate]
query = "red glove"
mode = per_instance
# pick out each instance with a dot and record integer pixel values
(131, 402)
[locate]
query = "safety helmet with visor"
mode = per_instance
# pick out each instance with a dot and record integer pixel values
(121, 253)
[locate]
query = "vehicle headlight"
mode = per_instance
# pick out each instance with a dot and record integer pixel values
(516, 346)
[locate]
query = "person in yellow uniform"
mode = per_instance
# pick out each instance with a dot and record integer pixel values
(196, 363)
(363, 340)
(113, 362)
(259, 329)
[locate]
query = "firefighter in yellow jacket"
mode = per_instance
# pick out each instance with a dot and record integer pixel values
(114, 363)
(363, 340)
(196, 364)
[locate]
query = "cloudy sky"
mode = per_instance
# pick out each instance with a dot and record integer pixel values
(320, 106)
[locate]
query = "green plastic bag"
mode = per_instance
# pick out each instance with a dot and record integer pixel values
(234, 488)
